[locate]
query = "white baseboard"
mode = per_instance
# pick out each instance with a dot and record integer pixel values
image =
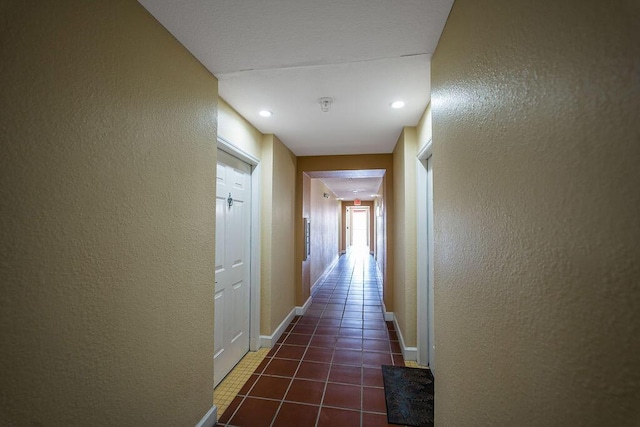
(210, 418)
(270, 340)
(388, 315)
(409, 353)
(300, 311)
(326, 272)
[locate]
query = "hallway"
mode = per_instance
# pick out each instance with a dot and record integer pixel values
(325, 369)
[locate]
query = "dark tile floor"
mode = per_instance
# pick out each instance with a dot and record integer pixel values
(325, 369)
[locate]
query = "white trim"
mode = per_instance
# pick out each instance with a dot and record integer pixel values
(254, 333)
(210, 418)
(422, 270)
(300, 311)
(388, 316)
(409, 353)
(326, 273)
(228, 146)
(270, 340)
(426, 151)
(256, 196)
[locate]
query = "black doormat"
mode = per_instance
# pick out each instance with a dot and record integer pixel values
(409, 395)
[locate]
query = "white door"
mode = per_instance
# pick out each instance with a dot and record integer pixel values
(431, 294)
(232, 298)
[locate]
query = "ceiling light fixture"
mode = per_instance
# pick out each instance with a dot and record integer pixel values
(325, 104)
(397, 104)
(265, 113)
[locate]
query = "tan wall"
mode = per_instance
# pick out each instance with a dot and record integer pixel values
(108, 190)
(324, 229)
(405, 276)
(330, 163)
(238, 131)
(536, 153)
(277, 257)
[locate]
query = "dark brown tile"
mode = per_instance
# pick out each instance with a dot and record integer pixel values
(376, 359)
(374, 324)
(372, 377)
(393, 335)
(319, 354)
(372, 308)
(281, 367)
(332, 314)
(273, 350)
(308, 321)
(398, 360)
(345, 374)
(298, 339)
(342, 396)
(373, 400)
(293, 414)
(262, 365)
(373, 316)
(327, 341)
(353, 315)
(375, 334)
(352, 323)
(305, 391)
(350, 332)
(390, 325)
(335, 306)
(327, 330)
(395, 347)
(255, 412)
(329, 322)
(375, 345)
(226, 416)
(270, 387)
(375, 420)
(303, 329)
(290, 352)
(247, 385)
(347, 357)
(349, 342)
(313, 371)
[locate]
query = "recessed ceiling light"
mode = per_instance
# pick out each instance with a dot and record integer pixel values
(397, 104)
(265, 113)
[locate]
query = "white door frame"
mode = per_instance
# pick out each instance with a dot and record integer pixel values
(425, 252)
(254, 288)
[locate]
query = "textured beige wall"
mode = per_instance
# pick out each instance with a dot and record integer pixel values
(238, 131)
(324, 229)
(536, 154)
(405, 279)
(277, 283)
(107, 207)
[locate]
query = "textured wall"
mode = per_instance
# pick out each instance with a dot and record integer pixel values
(107, 218)
(324, 229)
(277, 283)
(238, 131)
(405, 276)
(536, 153)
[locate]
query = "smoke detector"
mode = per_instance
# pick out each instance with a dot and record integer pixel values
(325, 104)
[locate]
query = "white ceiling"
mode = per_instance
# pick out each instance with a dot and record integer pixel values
(350, 185)
(282, 55)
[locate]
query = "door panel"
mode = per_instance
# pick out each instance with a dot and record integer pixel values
(232, 298)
